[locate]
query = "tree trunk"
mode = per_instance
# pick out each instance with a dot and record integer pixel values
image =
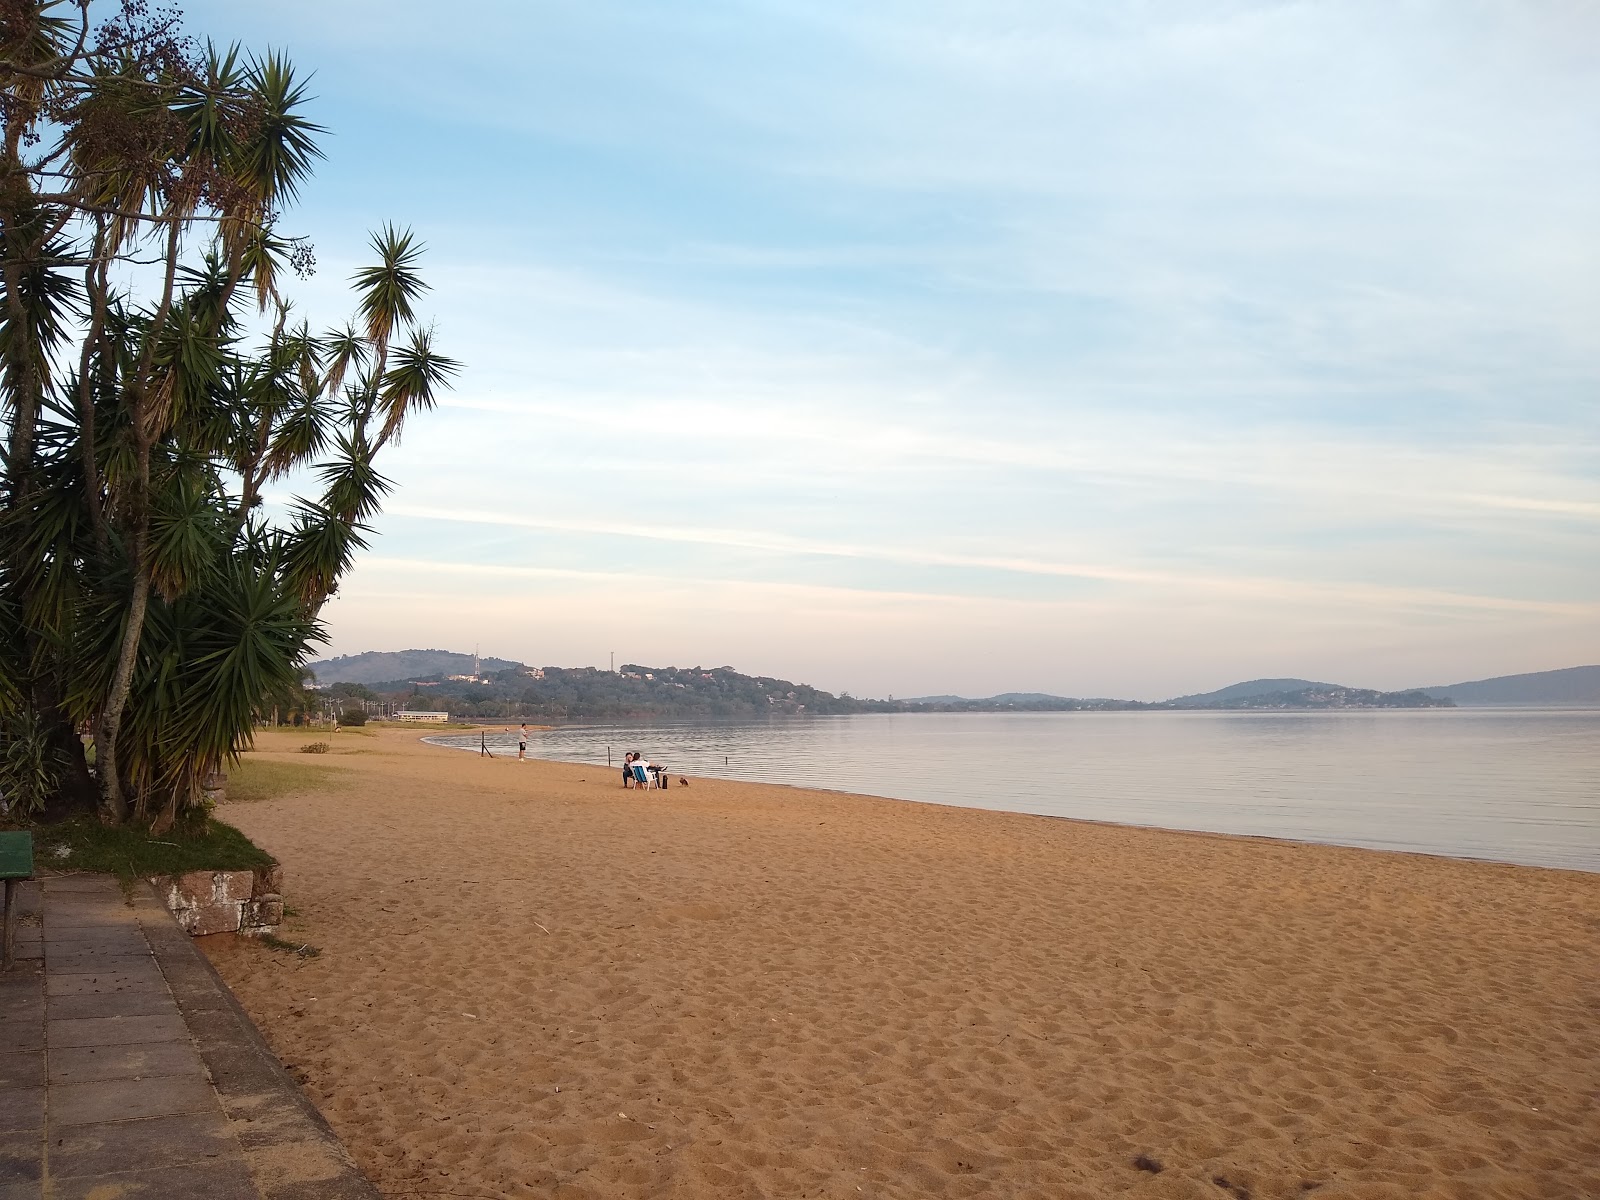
(168, 816)
(113, 791)
(113, 788)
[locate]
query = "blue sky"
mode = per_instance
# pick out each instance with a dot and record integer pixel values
(907, 348)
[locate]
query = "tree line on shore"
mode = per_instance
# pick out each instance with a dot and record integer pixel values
(587, 694)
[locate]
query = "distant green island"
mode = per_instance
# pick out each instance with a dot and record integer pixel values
(495, 689)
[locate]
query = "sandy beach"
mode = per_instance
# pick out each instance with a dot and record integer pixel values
(534, 983)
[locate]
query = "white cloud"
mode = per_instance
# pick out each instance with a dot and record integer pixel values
(1272, 321)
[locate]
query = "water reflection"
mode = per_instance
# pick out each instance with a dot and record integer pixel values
(1513, 785)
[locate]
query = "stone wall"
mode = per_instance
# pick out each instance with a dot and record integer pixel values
(206, 902)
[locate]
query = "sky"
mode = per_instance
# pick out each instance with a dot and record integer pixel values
(910, 348)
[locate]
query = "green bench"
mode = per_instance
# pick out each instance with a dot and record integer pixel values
(16, 863)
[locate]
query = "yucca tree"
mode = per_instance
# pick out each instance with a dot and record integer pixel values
(147, 594)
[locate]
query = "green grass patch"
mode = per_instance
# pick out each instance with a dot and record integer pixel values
(255, 778)
(130, 852)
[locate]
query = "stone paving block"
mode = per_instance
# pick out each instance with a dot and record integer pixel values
(21, 1157)
(78, 916)
(71, 939)
(21, 1068)
(128, 1100)
(117, 1031)
(56, 897)
(243, 1079)
(197, 1004)
(21, 986)
(142, 1145)
(135, 976)
(21, 1033)
(212, 1027)
(110, 1004)
(84, 1064)
(30, 899)
(219, 1180)
(21, 1109)
(89, 911)
(79, 962)
(93, 884)
(29, 913)
(87, 930)
(21, 1191)
(22, 993)
(21, 971)
(184, 975)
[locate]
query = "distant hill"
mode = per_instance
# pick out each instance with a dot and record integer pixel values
(1005, 700)
(1320, 696)
(1572, 685)
(510, 691)
(631, 693)
(1244, 691)
(400, 665)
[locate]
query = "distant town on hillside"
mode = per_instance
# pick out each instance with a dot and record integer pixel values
(496, 689)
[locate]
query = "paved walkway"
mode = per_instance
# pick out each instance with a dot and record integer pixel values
(128, 1070)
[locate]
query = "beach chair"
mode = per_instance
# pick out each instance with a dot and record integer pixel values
(641, 775)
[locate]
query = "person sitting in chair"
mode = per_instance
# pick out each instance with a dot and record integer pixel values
(641, 771)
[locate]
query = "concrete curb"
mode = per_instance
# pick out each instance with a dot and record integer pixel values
(291, 1150)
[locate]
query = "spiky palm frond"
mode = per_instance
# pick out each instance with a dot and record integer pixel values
(49, 299)
(283, 147)
(31, 37)
(318, 551)
(412, 383)
(45, 535)
(299, 438)
(353, 490)
(188, 530)
(214, 658)
(210, 109)
(343, 349)
(387, 292)
(189, 363)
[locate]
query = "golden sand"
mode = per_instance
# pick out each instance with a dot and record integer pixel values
(535, 983)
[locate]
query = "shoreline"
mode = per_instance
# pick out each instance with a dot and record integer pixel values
(1195, 831)
(535, 983)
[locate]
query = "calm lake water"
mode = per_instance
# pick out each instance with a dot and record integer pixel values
(1515, 785)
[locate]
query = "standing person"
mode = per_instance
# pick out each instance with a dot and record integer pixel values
(522, 743)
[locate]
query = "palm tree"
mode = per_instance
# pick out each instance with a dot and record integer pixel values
(153, 599)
